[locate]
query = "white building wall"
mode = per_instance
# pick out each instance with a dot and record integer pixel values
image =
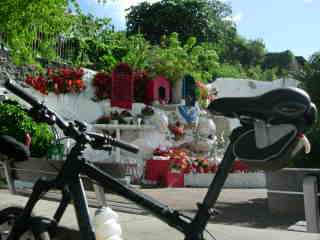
(231, 87)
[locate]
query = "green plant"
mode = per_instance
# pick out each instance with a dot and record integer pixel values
(27, 24)
(309, 78)
(174, 60)
(206, 20)
(15, 122)
(310, 160)
(229, 71)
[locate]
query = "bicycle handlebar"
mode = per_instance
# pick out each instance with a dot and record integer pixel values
(68, 129)
(13, 87)
(114, 142)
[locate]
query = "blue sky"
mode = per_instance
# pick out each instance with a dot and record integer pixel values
(282, 24)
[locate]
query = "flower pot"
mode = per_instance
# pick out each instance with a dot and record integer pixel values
(173, 179)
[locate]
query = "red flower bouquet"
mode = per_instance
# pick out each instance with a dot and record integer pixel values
(63, 80)
(102, 82)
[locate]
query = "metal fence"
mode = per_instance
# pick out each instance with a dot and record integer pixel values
(65, 48)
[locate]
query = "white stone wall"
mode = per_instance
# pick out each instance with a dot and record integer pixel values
(231, 87)
(234, 180)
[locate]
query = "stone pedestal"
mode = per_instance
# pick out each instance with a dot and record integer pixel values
(285, 190)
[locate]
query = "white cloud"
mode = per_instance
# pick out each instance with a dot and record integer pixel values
(235, 18)
(122, 3)
(307, 1)
(114, 9)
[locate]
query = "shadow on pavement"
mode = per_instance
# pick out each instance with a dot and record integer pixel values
(252, 213)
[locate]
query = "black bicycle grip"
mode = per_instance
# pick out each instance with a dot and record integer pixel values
(20, 92)
(126, 146)
(114, 142)
(13, 87)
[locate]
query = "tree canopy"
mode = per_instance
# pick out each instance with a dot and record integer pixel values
(203, 19)
(284, 61)
(198, 31)
(206, 20)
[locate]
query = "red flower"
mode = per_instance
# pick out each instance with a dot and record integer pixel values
(62, 81)
(103, 85)
(78, 73)
(239, 166)
(66, 72)
(49, 72)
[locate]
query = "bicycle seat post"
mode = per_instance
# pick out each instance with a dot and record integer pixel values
(206, 210)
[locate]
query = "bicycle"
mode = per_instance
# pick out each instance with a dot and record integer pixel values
(272, 125)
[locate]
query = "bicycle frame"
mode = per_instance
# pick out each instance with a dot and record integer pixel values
(68, 181)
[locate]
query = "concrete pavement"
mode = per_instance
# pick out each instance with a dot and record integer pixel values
(139, 227)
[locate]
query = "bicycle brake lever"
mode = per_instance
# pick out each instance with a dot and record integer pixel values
(42, 115)
(81, 125)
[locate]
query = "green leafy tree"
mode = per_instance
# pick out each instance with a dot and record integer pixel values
(137, 51)
(173, 59)
(99, 45)
(24, 23)
(285, 62)
(247, 52)
(88, 32)
(256, 52)
(202, 19)
(254, 73)
(230, 71)
(269, 74)
(310, 78)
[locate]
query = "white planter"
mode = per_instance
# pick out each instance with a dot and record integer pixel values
(234, 180)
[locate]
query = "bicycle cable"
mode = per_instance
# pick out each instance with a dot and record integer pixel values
(206, 230)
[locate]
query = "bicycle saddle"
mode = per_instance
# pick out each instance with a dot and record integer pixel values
(282, 105)
(13, 149)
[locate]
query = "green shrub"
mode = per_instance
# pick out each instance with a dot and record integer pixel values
(230, 71)
(309, 78)
(311, 160)
(15, 122)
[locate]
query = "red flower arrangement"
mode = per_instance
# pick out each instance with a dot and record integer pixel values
(180, 161)
(102, 83)
(239, 166)
(178, 130)
(201, 165)
(39, 83)
(63, 80)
